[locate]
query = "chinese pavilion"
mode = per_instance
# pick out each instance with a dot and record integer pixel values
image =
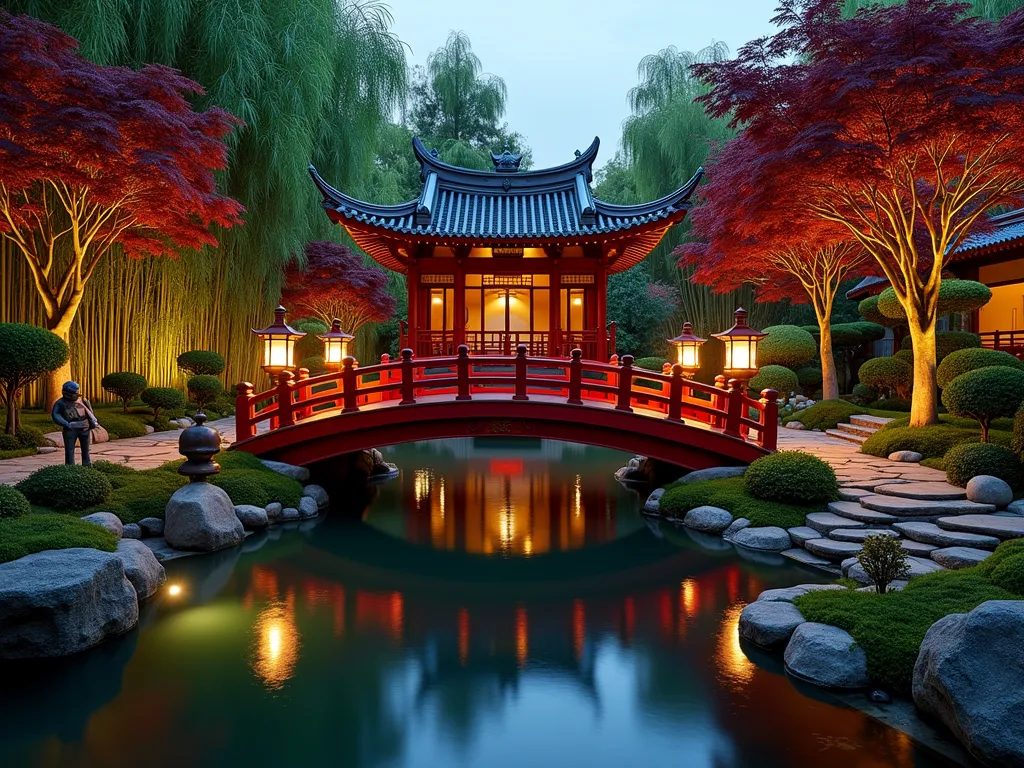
(494, 259)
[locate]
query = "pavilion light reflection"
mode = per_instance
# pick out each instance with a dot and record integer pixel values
(276, 644)
(733, 665)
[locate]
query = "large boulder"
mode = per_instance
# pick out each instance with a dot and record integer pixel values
(141, 567)
(62, 601)
(288, 470)
(770, 538)
(107, 520)
(968, 676)
(201, 517)
(708, 519)
(712, 473)
(986, 489)
(826, 656)
(769, 624)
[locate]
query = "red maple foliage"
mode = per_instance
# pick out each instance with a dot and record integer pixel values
(93, 157)
(897, 130)
(336, 283)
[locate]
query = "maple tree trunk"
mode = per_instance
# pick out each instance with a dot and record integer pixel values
(61, 326)
(924, 402)
(829, 377)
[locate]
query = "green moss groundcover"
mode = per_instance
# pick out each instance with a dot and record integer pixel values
(27, 535)
(731, 494)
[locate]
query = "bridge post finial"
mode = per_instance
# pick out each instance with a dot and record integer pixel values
(408, 391)
(462, 374)
(243, 410)
(768, 434)
(675, 393)
(520, 363)
(285, 415)
(625, 384)
(576, 377)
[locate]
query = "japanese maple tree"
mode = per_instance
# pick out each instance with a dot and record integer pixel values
(95, 160)
(336, 283)
(902, 125)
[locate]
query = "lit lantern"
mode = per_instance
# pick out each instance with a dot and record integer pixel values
(335, 345)
(740, 348)
(688, 346)
(278, 344)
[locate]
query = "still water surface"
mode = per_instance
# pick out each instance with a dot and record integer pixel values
(499, 604)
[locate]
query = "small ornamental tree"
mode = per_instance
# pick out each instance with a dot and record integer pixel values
(337, 283)
(985, 394)
(963, 360)
(26, 353)
(125, 386)
(902, 126)
(201, 362)
(204, 389)
(159, 398)
(884, 560)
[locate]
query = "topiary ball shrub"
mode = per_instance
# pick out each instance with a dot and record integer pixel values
(113, 468)
(971, 359)
(906, 355)
(887, 374)
(13, 503)
(862, 393)
(810, 378)
(792, 476)
(313, 364)
(26, 353)
(31, 437)
(777, 377)
(204, 389)
(1017, 443)
(125, 385)
(650, 363)
(160, 398)
(968, 460)
(824, 414)
(1009, 574)
(120, 427)
(66, 487)
(201, 362)
(1003, 552)
(786, 345)
(955, 298)
(10, 443)
(868, 309)
(985, 394)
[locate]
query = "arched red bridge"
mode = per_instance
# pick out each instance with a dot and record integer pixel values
(614, 405)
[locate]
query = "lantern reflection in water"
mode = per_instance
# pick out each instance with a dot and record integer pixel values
(275, 649)
(734, 668)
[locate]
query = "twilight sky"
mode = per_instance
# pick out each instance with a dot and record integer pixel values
(569, 63)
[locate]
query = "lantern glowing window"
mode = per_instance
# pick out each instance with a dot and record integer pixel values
(740, 347)
(687, 346)
(278, 343)
(335, 345)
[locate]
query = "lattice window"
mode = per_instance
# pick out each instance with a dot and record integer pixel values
(577, 279)
(438, 279)
(503, 280)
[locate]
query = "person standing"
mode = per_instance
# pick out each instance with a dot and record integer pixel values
(74, 415)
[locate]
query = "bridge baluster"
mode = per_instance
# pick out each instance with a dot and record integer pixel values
(625, 384)
(349, 385)
(408, 392)
(304, 390)
(462, 373)
(576, 377)
(675, 393)
(720, 402)
(244, 411)
(768, 435)
(285, 409)
(735, 407)
(520, 363)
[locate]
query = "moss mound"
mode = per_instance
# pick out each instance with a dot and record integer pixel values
(66, 487)
(968, 460)
(34, 533)
(792, 476)
(825, 414)
(258, 487)
(13, 503)
(731, 494)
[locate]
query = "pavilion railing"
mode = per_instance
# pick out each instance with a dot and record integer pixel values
(725, 406)
(1006, 341)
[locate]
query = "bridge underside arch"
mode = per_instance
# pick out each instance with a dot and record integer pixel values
(678, 443)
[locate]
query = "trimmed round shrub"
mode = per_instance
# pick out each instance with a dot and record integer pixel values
(258, 487)
(31, 437)
(160, 398)
(856, 334)
(825, 414)
(868, 309)
(125, 385)
(862, 393)
(1003, 552)
(204, 389)
(315, 363)
(10, 443)
(120, 426)
(906, 355)
(985, 394)
(66, 486)
(201, 362)
(793, 476)
(964, 360)
(13, 503)
(309, 345)
(887, 374)
(968, 460)
(809, 377)
(776, 377)
(1009, 574)
(650, 363)
(955, 297)
(786, 345)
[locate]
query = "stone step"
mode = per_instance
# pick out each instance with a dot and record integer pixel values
(854, 511)
(919, 566)
(959, 557)
(924, 490)
(903, 507)
(866, 420)
(859, 534)
(870, 485)
(930, 533)
(803, 556)
(850, 438)
(856, 429)
(852, 494)
(986, 525)
(825, 522)
(833, 550)
(916, 548)
(801, 533)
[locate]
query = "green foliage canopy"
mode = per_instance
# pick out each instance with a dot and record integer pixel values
(985, 394)
(26, 353)
(963, 360)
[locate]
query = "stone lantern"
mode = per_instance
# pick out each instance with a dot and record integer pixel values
(199, 444)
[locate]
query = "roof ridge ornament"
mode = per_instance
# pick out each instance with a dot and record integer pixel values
(508, 161)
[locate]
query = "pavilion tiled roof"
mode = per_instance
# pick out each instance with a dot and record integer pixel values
(464, 206)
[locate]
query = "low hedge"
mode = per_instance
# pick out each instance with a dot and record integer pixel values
(931, 442)
(65, 487)
(119, 426)
(650, 363)
(792, 476)
(968, 460)
(13, 503)
(258, 487)
(825, 414)
(891, 404)
(10, 443)
(731, 494)
(32, 437)
(29, 534)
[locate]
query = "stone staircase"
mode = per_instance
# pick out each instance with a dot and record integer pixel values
(859, 429)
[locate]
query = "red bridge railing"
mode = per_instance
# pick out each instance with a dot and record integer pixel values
(725, 406)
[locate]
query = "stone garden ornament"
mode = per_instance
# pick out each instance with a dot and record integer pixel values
(74, 415)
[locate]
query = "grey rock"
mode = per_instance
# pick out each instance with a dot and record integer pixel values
(986, 525)
(288, 470)
(1016, 507)
(986, 489)
(918, 567)
(916, 548)
(769, 624)
(904, 507)
(851, 510)
(150, 429)
(141, 567)
(803, 556)
(274, 510)
(308, 507)
(847, 564)
(783, 595)
(859, 534)
(836, 551)
(826, 522)
(826, 656)
(107, 520)
(880, 697)
(151, 526)
(653, 504)
(894, 586)
(46, 449)
(712, 473)
(961, 678)
(200, 517)
(795, 425)
(251, 516)
(930, 533)
(770, 538)
(924, 490)
(735, 527)
(131, 531)
(59, 602)
(905, 456)
(955, 558)
(708, 519)
(802, 533)
(289, 513)
(318, 494)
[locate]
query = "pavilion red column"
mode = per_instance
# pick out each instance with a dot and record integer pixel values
(555, 312)
(412, 285)
(601, 286)
(459, 319)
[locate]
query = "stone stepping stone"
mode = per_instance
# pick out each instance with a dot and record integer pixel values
(867, 420)
(926, 491)
(917, 548)
(826, 522)
(802, 533)
(870, 485)
(855, 511)
(805, 557)
(919, 566)
(859, 534)
(833, 550)
(852, 494)
(930, 533)
(987, 525)
(959, 557)
(903, 507)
